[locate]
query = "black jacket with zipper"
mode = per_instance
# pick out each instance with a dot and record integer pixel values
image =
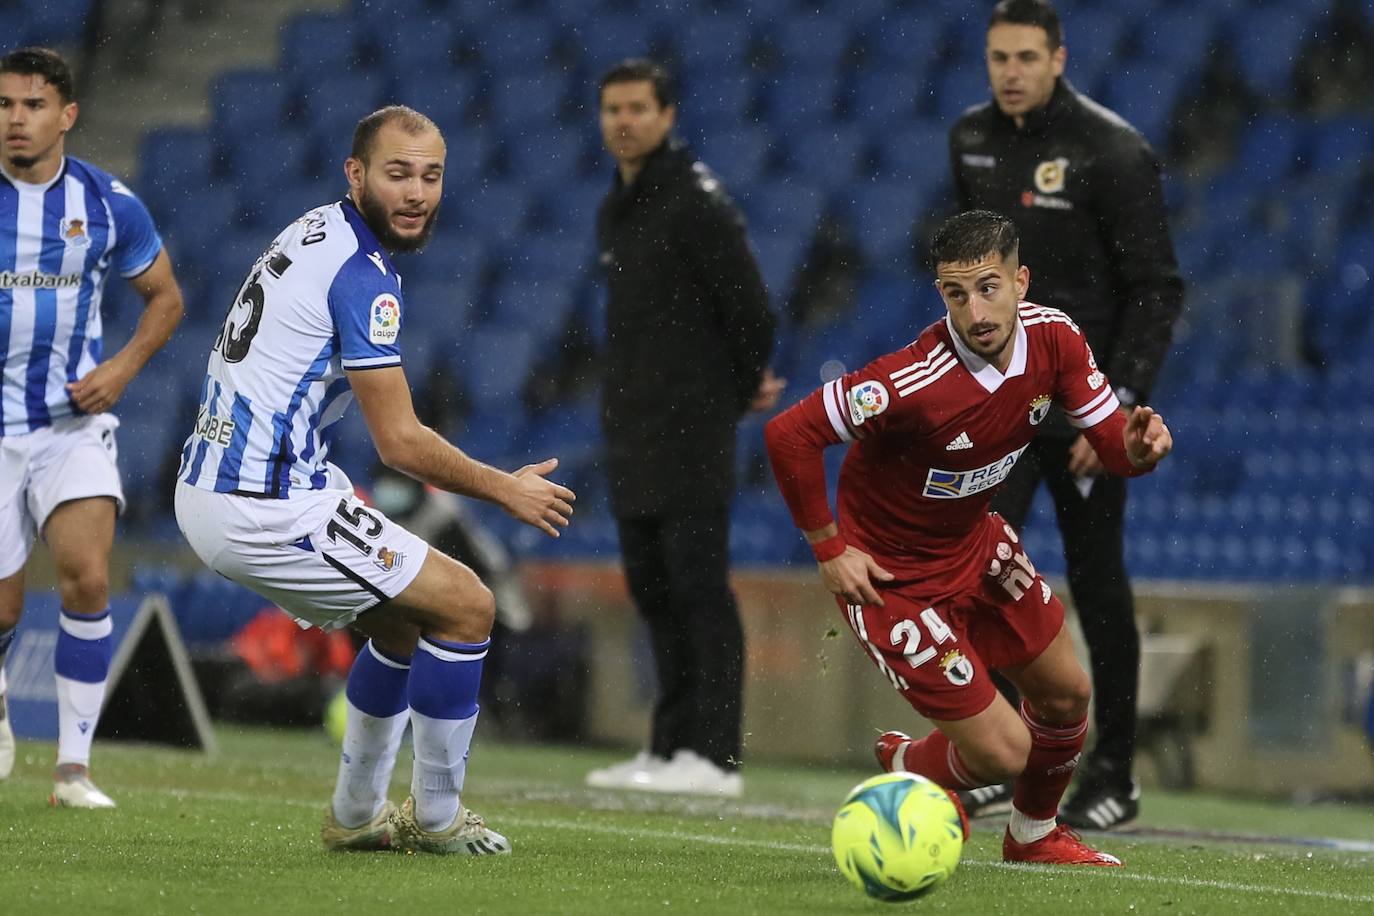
(688, 334)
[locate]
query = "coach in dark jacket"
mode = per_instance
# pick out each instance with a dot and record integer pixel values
(689, 333)
(1083, 187)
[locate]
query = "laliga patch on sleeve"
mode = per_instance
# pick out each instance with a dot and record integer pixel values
(384, 325)
(867, 399)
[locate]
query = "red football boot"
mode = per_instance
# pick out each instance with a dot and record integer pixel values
(1061, 847)
(890, 749)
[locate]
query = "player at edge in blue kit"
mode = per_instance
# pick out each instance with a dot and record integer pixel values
(317, 322)
(65, 226)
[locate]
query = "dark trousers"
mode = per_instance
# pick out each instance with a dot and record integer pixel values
(678, 570)
(1092, 530)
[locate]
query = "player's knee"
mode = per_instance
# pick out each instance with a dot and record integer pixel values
(1069, 704)
(999, 760)
(10, 613)
(469, 616)
(84, 589)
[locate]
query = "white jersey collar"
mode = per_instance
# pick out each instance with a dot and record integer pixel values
(985, 372)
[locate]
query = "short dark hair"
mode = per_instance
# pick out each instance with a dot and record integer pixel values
(408, 119)
(641, 70)
(973, 235)
(1039, 13)
(44, 62)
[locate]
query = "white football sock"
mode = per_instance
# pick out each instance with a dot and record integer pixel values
(1027, 829)
(441, 762)
(369, 755)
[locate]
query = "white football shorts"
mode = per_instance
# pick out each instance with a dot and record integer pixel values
(74, 458)
(320, 555)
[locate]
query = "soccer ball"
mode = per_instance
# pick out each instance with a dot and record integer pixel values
(897, 836)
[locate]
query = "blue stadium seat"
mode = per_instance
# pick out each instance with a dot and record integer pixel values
(379, 17)
(739, 156)
(780, 257)
(495, 211)
(1269, 150)
(902, 39)
(1180, 35)
(537, 308)
(802, 98)
(447, 96)
(558, 258)
(332, 107)
(1339, 146)
(247, 103)
(782, 206)
(1267, 42)
(607, 40)
(827, 157)
(174, 161)
(881, 216)
(520, 100)
(452, 256)
(718, 101)
(512, 43)
(318, 42)
(1146, 96)
(546, 158)
(495, 366)
(421, 47)
(917, 152)
(957, 87)
(64, 23)
(712, 43)
(886, 98)
(257, 176)
(572, 208)
(812, 41)
(437, 309)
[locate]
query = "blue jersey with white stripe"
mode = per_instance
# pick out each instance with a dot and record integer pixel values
(58, 243)
(323, 298)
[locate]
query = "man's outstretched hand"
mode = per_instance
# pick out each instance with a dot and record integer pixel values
(537, 501)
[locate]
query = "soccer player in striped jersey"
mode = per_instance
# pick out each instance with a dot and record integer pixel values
(938, 591)
(65, 226)
(317, 322)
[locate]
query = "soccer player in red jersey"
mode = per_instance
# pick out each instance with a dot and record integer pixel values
(939, 591)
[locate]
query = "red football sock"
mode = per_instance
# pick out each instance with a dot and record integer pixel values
(935, 758)
(1053, 757)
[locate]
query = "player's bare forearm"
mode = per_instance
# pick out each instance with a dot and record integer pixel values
(162, 311)
(525, 494)
(99, 389)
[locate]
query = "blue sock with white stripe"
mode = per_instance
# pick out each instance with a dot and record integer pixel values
(81, 663)
(376, 719)
(444, 677)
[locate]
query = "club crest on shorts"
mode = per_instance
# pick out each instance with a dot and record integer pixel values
(1039, 408)
(384, 326)
(957, 668)
(388, 559)
(867, 399)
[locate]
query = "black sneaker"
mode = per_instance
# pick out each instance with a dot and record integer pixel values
(987, 800)
(1098, 804)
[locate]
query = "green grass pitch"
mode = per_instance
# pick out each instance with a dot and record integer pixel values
(239, 833)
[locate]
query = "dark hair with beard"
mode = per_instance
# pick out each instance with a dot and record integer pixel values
(973, 235)
(641, 70)
(43, 62)
(374, 213)
(408, 119)
(1039, 13)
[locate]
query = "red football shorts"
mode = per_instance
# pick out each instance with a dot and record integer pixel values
(939, 655)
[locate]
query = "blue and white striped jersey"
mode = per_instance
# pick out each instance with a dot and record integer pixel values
(58, 243)
(323, 298)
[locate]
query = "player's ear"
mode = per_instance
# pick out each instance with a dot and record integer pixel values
(69, 113)
(353, 171)
(1022, 281)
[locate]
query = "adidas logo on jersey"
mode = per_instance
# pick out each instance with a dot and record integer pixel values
(962, 441)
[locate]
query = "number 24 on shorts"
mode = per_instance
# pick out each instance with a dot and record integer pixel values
(910, 631)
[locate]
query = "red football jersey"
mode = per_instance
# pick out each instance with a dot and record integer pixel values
(934, 429)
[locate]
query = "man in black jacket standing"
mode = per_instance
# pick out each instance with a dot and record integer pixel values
(689, 333)
(1083, 187)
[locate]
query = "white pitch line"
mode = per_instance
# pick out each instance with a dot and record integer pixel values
(812, 849)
